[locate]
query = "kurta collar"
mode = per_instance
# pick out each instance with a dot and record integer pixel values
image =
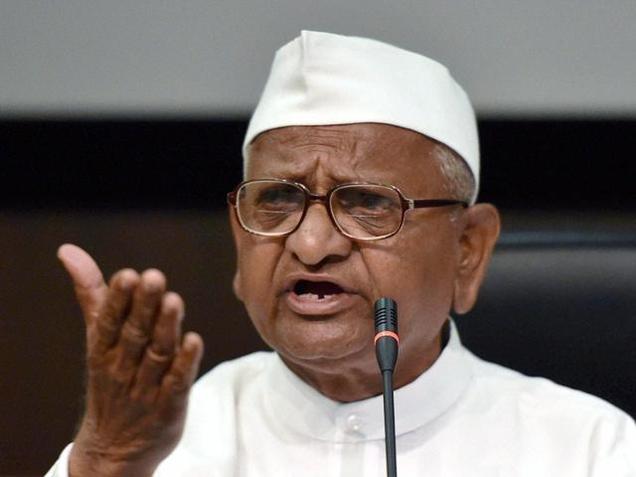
(302, 410)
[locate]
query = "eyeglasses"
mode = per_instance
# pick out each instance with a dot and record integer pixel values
(360, 211)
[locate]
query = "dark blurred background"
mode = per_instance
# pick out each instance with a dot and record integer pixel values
(120, 130)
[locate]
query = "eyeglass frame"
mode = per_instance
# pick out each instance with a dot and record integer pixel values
(406, 203)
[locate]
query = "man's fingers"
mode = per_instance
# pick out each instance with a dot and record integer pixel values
(114, 309)
(185, 366)
(137, 329)
(163, 347)
(88, 280)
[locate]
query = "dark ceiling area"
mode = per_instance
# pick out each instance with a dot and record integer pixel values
(531, 164)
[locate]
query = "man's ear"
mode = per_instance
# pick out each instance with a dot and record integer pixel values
(480, 231)
(236, 230)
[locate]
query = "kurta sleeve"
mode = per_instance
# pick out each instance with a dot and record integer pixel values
(60, 468)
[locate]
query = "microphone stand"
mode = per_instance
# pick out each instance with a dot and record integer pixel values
(389, 424)
(386, 351)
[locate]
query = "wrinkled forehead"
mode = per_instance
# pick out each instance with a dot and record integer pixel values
(368, 152)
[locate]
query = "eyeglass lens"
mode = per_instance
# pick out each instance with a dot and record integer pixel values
(360, 210)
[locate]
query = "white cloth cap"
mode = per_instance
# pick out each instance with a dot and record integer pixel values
(323, 78)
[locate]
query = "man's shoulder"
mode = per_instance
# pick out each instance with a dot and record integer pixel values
(540, 397)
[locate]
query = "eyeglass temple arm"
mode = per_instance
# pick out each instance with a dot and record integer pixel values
(420, 203)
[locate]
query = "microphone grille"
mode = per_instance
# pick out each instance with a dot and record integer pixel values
(386, 315)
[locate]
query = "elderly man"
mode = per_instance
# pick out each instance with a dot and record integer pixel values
(361, 168)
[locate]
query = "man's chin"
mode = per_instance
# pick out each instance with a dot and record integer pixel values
(318, 339)
(332, 351)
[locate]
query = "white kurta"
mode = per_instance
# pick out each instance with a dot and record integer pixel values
(463, 417)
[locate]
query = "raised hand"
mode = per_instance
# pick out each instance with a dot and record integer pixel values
(139, 369)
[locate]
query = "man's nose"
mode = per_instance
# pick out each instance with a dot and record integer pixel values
(317, 239)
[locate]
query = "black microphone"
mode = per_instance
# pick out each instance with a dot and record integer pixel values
(386, 351)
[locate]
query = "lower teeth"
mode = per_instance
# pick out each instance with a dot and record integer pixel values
(315, 296)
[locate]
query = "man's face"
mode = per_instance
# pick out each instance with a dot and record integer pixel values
(277, 278)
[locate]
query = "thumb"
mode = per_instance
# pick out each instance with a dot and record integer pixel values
(88, 280)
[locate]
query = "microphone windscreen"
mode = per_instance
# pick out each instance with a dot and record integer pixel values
(386, 315)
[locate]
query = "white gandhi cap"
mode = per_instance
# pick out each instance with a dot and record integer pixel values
(322, 79)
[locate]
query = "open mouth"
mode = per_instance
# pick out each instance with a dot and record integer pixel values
(319, 298)
(316, 290)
